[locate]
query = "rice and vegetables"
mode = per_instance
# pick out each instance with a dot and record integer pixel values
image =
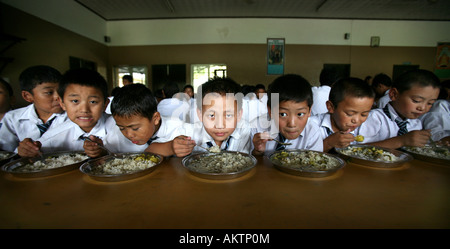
(370, 153)
(305, 160)
(126, 165)
(220, 163)
(5, 155)
(440, 152)
(52, 162)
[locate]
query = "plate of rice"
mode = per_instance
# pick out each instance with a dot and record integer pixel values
(6, 156)
(306, 163)
(121, 166)
(438, 154)
(49, 164)
(374, 156)
(219, 166)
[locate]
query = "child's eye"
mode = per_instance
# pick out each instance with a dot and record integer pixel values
(135, 129)
(211, 115)
(93, 102)
(229, 115)
(301, 114)
(283, 114)
(75, 101)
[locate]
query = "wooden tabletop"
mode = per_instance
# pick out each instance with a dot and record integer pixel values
(415, 195)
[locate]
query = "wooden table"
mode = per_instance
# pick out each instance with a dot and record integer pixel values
(416, 195)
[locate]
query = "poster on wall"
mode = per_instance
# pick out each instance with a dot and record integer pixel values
(442, 65)
(275, 56)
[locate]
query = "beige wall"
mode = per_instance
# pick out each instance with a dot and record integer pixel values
(52, 45)
(46, 44)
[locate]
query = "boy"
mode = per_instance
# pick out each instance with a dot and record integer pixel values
(220, 111)
(289, 118)
(349, 105)
(38, 85)
(84, 96)
(398, 124)
(6, 98)
(134, 110)
(381, 84)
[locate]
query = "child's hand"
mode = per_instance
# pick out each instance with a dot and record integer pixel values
(259, 143)
(339, 140)
(182, 146)
(29, 148)
(92, 149)
(416, 138)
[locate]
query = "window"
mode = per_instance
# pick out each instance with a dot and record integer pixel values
(139, 74)
(201, 73)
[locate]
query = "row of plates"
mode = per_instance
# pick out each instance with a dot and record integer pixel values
(86, 166)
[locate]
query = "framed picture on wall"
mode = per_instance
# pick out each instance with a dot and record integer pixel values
(275, 55)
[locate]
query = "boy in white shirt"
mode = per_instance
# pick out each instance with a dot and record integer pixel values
(438, 121)
(349, 105)
(328, 76)
(84, 97)
(398, 124)
(381, 84)
(134, 110)
(219, 109)
(289, 118)
(25, 125)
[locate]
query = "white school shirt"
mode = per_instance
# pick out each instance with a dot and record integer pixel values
(173, 107)
(116, 142)
(22, 123)
(438, 119)
(309, 139)
(382, 102)
(378, 126)
(239, 140)
(320, 97)
(66, 137)
(324, 122)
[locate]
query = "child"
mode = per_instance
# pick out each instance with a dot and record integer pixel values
(38, 85)
(134, 110)
(289, 118)
(381, 84)
(219, 108)
(398, 124)
(6, 98)
(349, 105)
(84, 97)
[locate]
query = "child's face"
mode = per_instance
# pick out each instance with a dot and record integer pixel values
(84, 105)
(350, 113)
(45, 98)
(415, 102)
(220, 116)
(138, 129)
(5, 100)
(292, 118)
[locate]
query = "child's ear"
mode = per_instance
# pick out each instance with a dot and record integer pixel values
(200, 115)
(27, 96)
(61, 103)
(239, 117)
(156, 118)
(106, 104)
(393, 94)
(330, 106)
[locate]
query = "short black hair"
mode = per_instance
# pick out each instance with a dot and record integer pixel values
(83, 77)
(35, 75)
(170, 88)
(220, 86)
(353, 87)
(188, 86)
(260, 86)
(382, 79)
(134, 99)
(128, 77)
(7, 87)
(290, 87)
(420, 77)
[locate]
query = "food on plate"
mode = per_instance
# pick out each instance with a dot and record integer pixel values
(430, 151)
(214, 149)
(370, 153)
(4, 155)
(306, 160)
(126, 165)
(220, 163)
(52, 162)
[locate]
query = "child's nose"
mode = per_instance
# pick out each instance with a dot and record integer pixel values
(220, 123)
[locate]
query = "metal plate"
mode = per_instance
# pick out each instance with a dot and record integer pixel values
(403, 157)
(88, 167)
(306, 170)
(13, 166)
(7, 156)
(187, 161)
(428, 158)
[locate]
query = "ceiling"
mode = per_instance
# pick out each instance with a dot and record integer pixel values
(431, 10)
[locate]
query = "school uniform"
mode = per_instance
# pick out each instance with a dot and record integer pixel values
(382, 102)
(24, 123)
(309, 138)
(70, 137)
(239, 140)
(438, 119)
(173, 107)
(382, 124)
(320, 98)
(324, 122)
